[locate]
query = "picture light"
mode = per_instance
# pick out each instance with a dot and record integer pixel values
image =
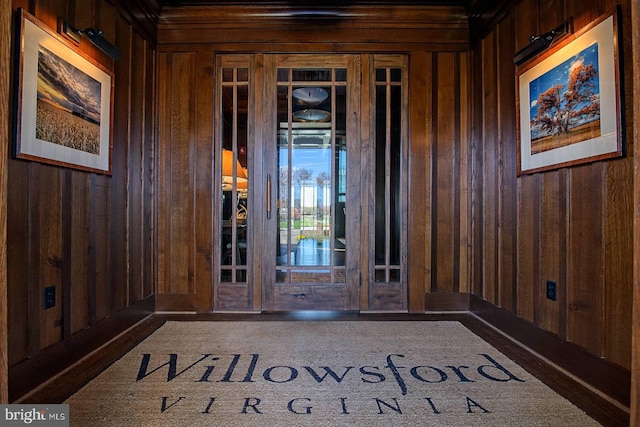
(539, 43)
(94, 36)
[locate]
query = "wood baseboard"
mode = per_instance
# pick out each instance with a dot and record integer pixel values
(28, 379)
(437, 302)
(176, 302)
(610, 379)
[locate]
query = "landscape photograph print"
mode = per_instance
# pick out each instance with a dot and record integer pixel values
(569, 102)
(565, 106)
(68, 104)
(63, 101)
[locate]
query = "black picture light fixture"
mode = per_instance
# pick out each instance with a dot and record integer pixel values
(539, 43)
(94, 36)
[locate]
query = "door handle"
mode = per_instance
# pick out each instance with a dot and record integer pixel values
(268, 192)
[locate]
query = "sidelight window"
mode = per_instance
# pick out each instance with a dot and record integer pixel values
(234, 175)
(388, 188)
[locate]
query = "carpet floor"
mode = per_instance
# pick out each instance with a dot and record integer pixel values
(318, 373)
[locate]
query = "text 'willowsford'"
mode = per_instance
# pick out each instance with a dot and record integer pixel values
(202, 370)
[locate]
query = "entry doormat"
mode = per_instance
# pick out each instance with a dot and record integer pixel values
(318, 373)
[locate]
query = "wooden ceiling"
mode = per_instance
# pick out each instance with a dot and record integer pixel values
(475, 8)
(314, 3)
(482, 15)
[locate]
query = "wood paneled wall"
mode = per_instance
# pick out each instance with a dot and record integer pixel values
(574, 225)
(87, 234)
(436, 41)
(479, 228)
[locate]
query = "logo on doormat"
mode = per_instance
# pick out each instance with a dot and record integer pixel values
(393, 371)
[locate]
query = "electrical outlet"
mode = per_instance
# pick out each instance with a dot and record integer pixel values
(49, 299)
(551, 290)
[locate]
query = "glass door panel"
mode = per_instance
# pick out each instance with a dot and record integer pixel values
(312, 141)
(311, 144)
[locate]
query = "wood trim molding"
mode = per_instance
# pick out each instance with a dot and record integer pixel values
(610, 379)
(454, 301)
(355, 25)
(388, 15)
(5, 57)
(27, 378)
(175, 302)
(635, 331)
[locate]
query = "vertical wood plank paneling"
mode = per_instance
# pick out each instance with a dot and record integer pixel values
(618, 286)
(204, 180)
(445, 167)
(163, 182)
(66, 239)
(490, 168)
(34, 259)
(635, 137)
(585, 258)
(585, 269)
(464, 188)
(528, 293)
(104, 17)
(20, 337)
(120, 164)
(551, 14)
(528, 209)
(507, 204)
(180, 174)
(92, 262)
(5, 43)
(18, 239)
(551, 243)
(551, 249)
(149, 178)
(136, 170)
(63, 234)
(101, 298)
(48, 214)
(80, 14)
(78, 263)
(618, 217)
(101, 218)
(48, 11)
(572, 224)
(477, 174)
(419, 163)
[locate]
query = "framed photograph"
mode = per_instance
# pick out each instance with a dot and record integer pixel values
(64, 101)
(568, 101)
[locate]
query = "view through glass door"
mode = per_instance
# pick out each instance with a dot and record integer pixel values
(310, 183)
(312, 163)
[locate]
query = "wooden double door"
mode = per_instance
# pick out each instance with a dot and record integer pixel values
(312, 192)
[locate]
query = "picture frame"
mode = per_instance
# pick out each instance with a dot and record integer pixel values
(63, 101)
(568, 100)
